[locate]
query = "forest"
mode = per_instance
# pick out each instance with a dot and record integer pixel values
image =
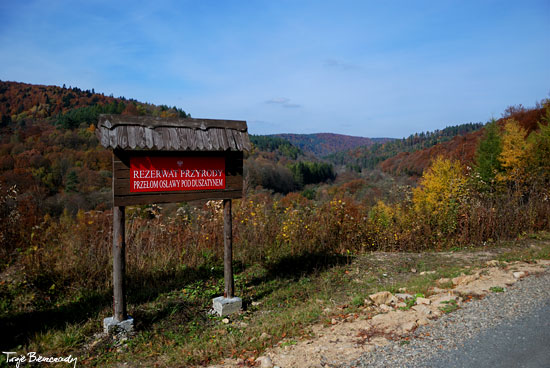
(369, 157)
(461, 186)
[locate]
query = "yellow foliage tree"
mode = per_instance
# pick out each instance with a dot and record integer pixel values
(514, 155)
(442, 187)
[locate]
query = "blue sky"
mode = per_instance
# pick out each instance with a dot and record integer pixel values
(366, 68)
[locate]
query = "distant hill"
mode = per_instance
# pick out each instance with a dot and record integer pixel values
(368, 157)
(461, 147)
(48, 149)
(322, 144)
(70, 106)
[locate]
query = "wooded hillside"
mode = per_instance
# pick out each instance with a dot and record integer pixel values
(462, 147)
(322, 144)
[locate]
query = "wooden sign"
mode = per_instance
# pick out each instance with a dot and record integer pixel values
(160, 160)
(143, 177)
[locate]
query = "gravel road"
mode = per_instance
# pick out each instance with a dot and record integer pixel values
(508, 329)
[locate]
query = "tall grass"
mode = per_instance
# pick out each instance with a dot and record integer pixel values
(73, 253)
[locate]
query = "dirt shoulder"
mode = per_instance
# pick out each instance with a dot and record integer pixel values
(448, 280)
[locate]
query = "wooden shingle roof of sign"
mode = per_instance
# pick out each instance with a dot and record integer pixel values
(172, 134)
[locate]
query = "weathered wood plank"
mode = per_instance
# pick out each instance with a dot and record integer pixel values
(132, 135)
(141, 138)
(104, 137)
(238, 139)
(154, 122)
(192, 139)
(122, 136)
(127, 134)
(158, 142)
(246, 141)
(182, 138)
(230, 140)
(223, 140)
(199, 134)
(119, 264)
(207, 141)
(123, 157)
(173, 139)
(112, 139)
(149, 138)
(213, 133)
(165, 134)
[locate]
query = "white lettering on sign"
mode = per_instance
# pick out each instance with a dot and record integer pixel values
(157, 174)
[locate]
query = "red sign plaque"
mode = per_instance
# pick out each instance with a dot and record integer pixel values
(174, 174)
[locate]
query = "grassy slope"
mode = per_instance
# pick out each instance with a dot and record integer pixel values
(281, 300)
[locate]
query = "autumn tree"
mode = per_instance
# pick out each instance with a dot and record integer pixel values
(442, 188)
(514, 155)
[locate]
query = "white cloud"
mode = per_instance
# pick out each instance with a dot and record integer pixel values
(333, 63)
(283, 102)
(278, 100)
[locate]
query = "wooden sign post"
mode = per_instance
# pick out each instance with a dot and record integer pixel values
(228, 250)
(160, 160)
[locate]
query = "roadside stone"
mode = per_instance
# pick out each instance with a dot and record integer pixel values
(380, 341)
(519, 274)
(401, 305)
(265, 336)
(442, 281)
(265, 362)
(367, 302)
(492, 263)
(423, 309)
(425, 301)
(427, 273)
(408, 327)
(403, 296)
(464, 279)
(383, 297)
(385, 308)
(438, 300)
(422, 321)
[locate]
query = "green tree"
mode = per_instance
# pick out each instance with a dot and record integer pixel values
(539, 150)
(487, 163)
(71, 183)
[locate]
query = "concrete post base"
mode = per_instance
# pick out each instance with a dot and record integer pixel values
(224, 306)
(113, 326)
